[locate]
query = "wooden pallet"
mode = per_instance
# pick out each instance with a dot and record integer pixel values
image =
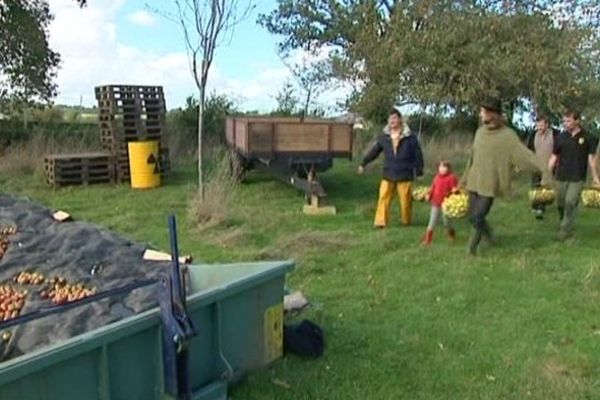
(79, 169)
(122, 171)
(119, 148)
(128, 88)
(130, 93)
(131, 123)
(132, 110)
(112, 117)
(131, 134)
(133, 101)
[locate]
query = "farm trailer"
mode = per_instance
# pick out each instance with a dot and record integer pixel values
(292, 149)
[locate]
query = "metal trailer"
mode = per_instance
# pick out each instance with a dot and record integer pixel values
(294, 150)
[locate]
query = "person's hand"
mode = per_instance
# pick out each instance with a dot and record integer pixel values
(597, 181)
(361, 170)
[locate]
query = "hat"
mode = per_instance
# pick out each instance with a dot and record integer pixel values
(492, 104)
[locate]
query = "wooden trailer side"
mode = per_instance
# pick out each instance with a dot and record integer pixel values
(299, 137)
(264, 137)
(236, 134)
(341, 140)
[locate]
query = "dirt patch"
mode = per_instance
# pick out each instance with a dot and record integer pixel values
(299, 245)
(559, 380)
(71, 250)
(231, 238)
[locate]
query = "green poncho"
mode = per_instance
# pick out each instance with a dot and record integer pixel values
(494, 153)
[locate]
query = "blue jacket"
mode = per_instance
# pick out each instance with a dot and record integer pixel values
(402, 166)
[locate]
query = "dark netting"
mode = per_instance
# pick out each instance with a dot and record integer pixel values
(79, 252)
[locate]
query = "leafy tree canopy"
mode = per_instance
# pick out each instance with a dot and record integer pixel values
(27, 64)
(451, 52)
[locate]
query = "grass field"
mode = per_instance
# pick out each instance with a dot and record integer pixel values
(522, 321)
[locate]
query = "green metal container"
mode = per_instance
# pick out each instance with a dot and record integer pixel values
(236, 308)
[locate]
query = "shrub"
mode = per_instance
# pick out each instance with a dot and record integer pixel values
(220, 189)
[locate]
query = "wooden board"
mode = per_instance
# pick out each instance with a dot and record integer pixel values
(264, 135)
(79, 157)
(291, 138)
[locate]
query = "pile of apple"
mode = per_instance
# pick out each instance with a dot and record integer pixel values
(60, 291)
(29, 278)
(12, 302)
(8, 230)
(4, 232)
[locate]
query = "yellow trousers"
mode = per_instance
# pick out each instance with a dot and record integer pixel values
(386, 193)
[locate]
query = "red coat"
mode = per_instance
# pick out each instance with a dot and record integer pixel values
(442, 187)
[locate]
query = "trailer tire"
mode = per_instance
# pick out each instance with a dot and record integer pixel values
(237, 167)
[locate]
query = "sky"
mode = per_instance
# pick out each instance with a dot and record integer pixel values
(128, 42)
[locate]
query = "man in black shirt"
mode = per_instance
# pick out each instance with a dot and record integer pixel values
(572, 154)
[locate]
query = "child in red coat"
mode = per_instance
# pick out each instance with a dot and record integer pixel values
(444, 184)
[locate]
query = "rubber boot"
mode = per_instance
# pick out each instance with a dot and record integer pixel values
(488, 234)
(428, 238)
(451, 235)
(561, 213)
(474, 241)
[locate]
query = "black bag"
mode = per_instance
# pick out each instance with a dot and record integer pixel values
(304, 339)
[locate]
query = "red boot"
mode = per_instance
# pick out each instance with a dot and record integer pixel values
(428, 238)
(452, 235)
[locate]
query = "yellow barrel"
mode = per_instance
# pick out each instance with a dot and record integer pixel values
(143, 164)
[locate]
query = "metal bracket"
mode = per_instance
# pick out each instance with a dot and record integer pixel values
(177, 327)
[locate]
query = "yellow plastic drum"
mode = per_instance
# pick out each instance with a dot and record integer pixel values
(143, 164)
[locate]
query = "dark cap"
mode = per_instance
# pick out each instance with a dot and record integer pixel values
(492, 104)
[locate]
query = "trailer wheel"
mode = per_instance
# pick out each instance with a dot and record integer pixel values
(237, 166)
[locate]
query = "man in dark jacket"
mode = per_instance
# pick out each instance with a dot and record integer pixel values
(573, 153)
(541, 142)
(403, 161)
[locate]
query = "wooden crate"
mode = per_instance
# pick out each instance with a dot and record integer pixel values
(79, 169)
(264, 136)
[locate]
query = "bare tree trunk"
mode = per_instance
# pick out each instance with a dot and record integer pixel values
(200, 143)
(201, 83)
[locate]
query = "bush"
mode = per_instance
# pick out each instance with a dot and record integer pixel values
(183, 124)
(220, 189)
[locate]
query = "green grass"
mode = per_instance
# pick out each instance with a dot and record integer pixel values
(522, 321)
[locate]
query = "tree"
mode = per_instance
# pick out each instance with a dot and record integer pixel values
(27, 64)
(287, 101)
(449, 52)
(216, 108)
(312, 74)
(205, 26)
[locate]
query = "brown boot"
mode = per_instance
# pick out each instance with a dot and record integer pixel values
(428, 238)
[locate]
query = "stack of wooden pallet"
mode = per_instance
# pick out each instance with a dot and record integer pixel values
(79, 169)
(131, 114)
